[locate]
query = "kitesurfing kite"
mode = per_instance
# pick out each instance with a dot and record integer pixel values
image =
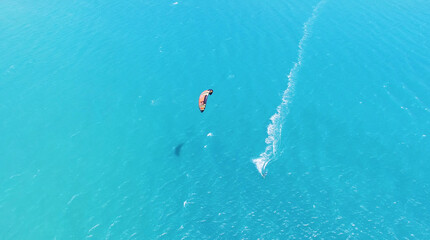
(204, 98)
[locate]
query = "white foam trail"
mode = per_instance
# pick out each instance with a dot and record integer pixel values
(274, 129)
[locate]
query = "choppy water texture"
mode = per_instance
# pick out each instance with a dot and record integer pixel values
(101, 136)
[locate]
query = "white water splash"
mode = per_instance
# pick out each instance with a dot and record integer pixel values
(274, 129)
(94, 227)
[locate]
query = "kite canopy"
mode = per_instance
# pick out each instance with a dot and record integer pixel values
(204, 98)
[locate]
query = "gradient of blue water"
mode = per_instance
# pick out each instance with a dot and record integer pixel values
(94, 97)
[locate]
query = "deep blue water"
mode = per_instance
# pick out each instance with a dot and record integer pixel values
(329, 99)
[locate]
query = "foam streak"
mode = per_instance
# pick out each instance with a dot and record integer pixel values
(274, 129)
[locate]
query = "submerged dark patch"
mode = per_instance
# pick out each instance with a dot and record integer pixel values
(178, 149)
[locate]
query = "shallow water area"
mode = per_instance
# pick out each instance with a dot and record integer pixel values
(102, 138)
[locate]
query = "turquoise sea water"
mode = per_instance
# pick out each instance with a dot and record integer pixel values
(330, 99)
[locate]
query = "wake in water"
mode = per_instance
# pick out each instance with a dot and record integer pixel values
(274, 129)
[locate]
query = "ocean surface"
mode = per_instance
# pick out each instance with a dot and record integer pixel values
(318, 127)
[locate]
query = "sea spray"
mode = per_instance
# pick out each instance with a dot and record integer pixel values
(274, 129)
